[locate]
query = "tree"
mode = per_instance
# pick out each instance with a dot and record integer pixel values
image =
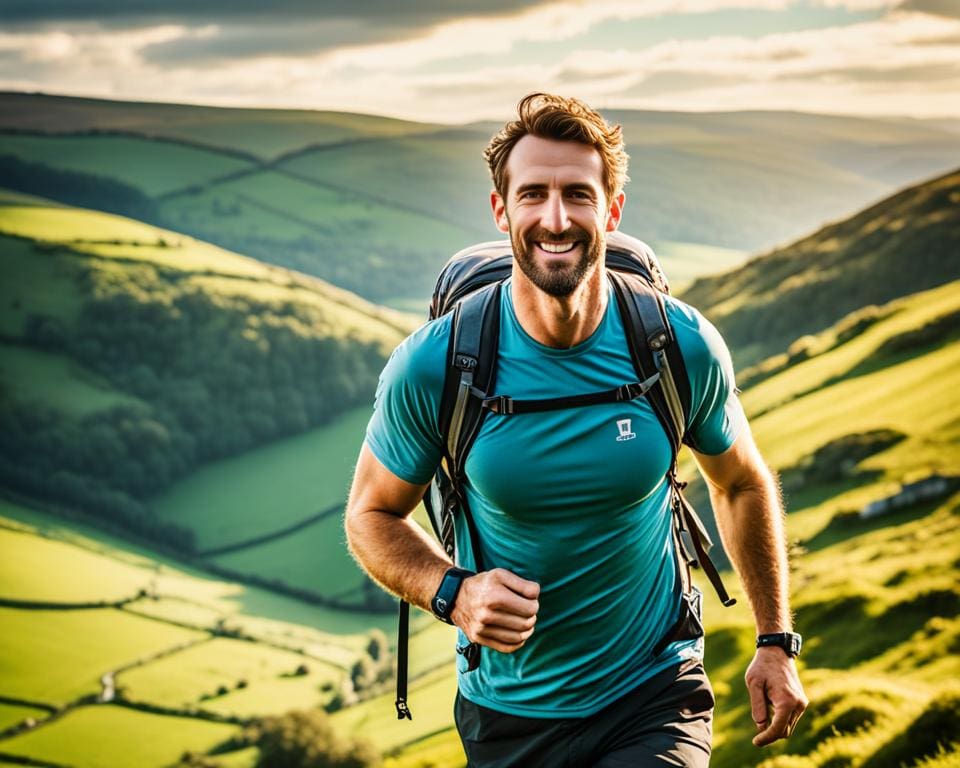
(305, 739)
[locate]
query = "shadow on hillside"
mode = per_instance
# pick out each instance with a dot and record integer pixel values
(882, 359)
(798, 498)
(847, 524)
(844, 633)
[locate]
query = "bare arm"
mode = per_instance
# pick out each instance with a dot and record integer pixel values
(749, 513)
(495, 608)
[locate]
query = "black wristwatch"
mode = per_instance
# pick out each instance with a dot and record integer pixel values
(443, 601)
(789, 641)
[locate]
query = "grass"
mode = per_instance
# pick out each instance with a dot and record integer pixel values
(11, 714)
(186, 594)
(193, 676)
(154, 167)
(442, 748)
(45, 570)
(264, 132)
(684, 262)
(116, 237)
(116, 737)
(431, 702)
(277, 205)
(30, 375)
(313, 558)
(55, 656)
(269, 488)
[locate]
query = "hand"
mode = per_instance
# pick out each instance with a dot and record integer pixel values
(497, 609)
(773, 684)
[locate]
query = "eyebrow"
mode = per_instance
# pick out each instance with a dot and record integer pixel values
(576, 187)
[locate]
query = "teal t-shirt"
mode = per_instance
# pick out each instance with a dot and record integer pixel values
(575, 500)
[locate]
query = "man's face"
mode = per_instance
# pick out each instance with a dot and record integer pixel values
(555, 211)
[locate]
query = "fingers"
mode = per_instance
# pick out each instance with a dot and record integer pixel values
(497, 609)
(777, 699)
(759, 705)
(524, 588)
(782, 727)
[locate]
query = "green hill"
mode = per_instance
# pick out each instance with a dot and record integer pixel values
(376, 205)
(903, 244)
(131, 355)
(264, 133)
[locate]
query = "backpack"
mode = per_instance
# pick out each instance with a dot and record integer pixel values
(469, 287)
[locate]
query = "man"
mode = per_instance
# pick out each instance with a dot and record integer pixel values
(576, 522)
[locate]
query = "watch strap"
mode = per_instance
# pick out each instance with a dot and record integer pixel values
(790, 642)
(446, 596)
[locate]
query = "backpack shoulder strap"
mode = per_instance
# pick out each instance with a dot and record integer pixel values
(653, 349)
(471, 372)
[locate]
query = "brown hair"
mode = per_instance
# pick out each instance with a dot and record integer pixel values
(563, 119)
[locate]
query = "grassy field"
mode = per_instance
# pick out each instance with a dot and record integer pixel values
(54, 656)
(431, 702)
(115, 737)
(262, 132)
(313, 558)
(684, 262)
(12, 714)
(257, 679)
(57, 381)
(32, 568)
(269, 488)
(154, 167)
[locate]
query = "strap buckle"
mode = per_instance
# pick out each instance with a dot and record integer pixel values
(500, 404)
(403, 711)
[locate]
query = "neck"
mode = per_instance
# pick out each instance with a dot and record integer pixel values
(560, 321)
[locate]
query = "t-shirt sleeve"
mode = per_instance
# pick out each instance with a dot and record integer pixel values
(716, 416)
(403, 433)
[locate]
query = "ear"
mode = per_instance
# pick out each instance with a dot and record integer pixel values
(616, 212)
(499, 212)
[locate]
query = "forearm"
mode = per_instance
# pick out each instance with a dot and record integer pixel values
(397, 553)
(750, 519)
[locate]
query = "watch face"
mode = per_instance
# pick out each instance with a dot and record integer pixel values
(441, 606)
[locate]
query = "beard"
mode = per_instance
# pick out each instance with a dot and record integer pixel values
(556, 278)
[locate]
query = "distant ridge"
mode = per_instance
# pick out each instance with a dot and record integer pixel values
(906, 243)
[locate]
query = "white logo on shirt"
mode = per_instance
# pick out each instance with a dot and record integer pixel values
(623, 425)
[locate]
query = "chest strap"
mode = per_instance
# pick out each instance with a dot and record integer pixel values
(508, 406)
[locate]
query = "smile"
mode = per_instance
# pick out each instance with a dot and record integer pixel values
(557, 247)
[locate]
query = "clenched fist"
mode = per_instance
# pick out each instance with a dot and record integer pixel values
(497, 609)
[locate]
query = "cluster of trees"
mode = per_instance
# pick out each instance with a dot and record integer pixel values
(210, 375)
(87, 190)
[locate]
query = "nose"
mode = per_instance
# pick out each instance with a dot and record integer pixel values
(555, 218)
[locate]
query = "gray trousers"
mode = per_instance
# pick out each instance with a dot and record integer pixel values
(667, 721)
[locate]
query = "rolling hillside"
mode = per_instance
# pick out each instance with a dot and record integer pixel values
(376, 205)
(906, 243)
(131, 355)
(113, 656)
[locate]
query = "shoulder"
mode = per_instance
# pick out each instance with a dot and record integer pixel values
(698, 338)
(420, 359)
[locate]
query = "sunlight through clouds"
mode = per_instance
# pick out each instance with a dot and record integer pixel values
(847, 56)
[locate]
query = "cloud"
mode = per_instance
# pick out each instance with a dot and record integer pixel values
(450, 64)
(948, 8)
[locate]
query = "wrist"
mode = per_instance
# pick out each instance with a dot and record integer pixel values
(445, 598)
(789, 643)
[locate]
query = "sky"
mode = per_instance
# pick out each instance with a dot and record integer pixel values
(462, 60)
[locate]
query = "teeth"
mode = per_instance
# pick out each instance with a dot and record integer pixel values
(557, 247)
